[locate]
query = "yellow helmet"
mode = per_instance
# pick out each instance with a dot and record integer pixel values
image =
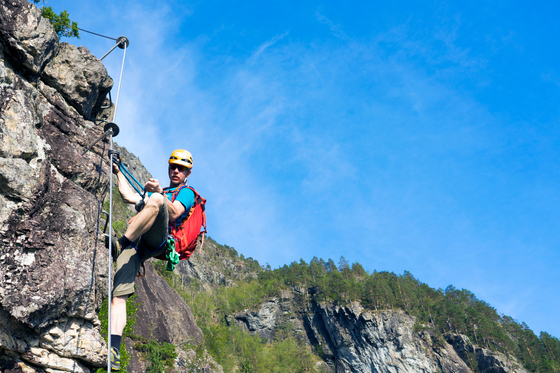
(181, 157)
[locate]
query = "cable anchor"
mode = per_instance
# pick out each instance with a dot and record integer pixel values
(122, 42)
(111, 129)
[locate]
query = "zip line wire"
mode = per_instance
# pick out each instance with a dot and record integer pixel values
(103, 36)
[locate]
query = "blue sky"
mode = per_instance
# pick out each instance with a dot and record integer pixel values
(419, 136)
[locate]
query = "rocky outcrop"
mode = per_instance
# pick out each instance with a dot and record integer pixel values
(29, 40)
(52, 271)
(80, 78)
(486, 360)
(162, 316)
(214, 265)
(360, 341)
(277, 311)
(353, 339)
(170, 318)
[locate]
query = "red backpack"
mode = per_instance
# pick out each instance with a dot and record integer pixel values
(186, 232)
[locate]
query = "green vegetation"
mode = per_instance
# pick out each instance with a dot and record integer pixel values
(439, 311)
(233, 348)
(61, 22)
(131, 308)
(160, 355)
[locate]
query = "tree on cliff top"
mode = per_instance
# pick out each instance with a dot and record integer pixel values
(61, 22)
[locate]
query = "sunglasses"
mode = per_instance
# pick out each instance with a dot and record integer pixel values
(178, 167)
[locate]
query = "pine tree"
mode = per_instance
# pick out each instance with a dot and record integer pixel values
(61, 22)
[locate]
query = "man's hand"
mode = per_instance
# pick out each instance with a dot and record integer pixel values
(115, 168)
(153, 186)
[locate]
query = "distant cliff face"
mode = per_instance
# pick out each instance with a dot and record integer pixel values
(353, 339)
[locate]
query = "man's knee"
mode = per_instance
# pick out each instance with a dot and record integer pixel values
(155, 200)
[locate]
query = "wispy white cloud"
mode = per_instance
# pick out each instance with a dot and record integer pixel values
(268, 44)
(336, 30)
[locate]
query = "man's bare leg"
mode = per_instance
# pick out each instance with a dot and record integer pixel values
(145, 218)
(118, 315)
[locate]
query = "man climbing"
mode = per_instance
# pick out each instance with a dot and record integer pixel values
(147, 234)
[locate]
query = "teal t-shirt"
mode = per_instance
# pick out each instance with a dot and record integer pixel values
(185, 196)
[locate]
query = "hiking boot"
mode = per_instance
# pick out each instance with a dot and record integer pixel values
(115, 359)
(116, 248)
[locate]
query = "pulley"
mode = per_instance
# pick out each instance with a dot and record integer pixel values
(122, 42)
(112, 126)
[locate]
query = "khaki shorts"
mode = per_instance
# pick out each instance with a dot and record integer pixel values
(149, 245)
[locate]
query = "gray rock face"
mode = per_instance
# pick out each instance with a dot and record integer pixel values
(52, 270)
(29, 39)
(362, 341)
(487, 361)
(352, 339)
(263, 320)
(158, 299)
(277, 311)
(79, 77)
(210, 267)
(163, 316)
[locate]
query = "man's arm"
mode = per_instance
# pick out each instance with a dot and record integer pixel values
(174, 210)
(128, 194)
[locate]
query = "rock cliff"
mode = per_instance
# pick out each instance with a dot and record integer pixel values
(353, 339)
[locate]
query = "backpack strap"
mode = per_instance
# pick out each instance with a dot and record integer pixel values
(198, 200)
(175, 192)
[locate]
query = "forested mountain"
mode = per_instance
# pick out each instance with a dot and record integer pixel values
(222, 309)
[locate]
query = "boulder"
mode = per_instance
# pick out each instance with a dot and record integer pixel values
(163, 315)
(80, 78)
